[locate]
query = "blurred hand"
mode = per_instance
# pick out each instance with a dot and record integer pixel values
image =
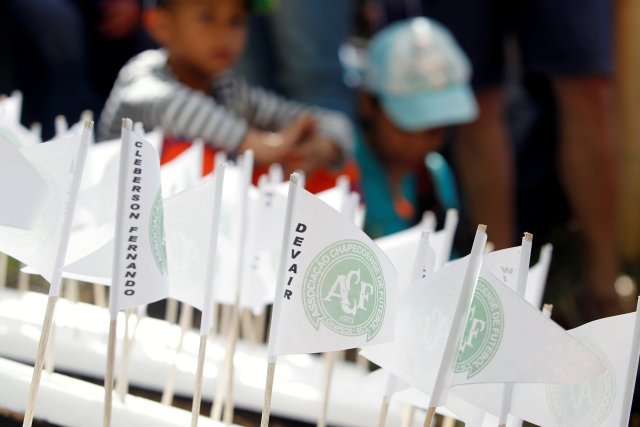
(312, 153)
(274, 147)
(120, 18)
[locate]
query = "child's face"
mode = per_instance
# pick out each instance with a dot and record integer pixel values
(205, 36)
(398, 147)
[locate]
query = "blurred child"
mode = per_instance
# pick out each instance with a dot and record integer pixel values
(416, 83)
(187, 88)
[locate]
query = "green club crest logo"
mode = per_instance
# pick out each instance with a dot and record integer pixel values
(156, 234)
(586, 403)
(344, 289)
(483, 331)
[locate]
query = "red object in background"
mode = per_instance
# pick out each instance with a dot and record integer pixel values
(321, 179)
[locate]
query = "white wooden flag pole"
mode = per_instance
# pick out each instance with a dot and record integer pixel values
(76, 172)
(186, 318)
(224, 390)
(457, 324)
(271, 359)
(139, 273)
(521, 287)
(207, 320)
(247, 171)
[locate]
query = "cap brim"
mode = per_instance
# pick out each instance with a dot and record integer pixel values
(426, 110)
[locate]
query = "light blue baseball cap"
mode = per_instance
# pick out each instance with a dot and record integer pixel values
(420, 75)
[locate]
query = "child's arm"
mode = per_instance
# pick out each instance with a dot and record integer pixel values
(266, 110)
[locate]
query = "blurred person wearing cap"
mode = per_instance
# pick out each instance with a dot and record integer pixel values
(570, 42)
(188, 89)
(415, 85)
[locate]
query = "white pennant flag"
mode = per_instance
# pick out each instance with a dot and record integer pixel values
(603, 401)
(183, 171)
(336, 288)
(537, 280)
(23, 190)
(11, 131)
(188, 223)
(43, 247)
(423, 326)
(401, 247)
(237, 185)
(506, 339)
(267, 207)
(140, 260)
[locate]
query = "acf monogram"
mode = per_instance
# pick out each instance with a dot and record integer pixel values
(344, 289)
(483, 331)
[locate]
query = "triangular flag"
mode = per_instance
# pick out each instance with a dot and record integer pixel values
(60, 162)
(423, 325)
(336, 288)
(140, 259)
(183, 171)
(506, 339)
(601, 401)
(188, 222)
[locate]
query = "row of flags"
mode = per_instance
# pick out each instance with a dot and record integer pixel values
(453, 332)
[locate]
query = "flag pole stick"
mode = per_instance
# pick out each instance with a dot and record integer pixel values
(50, 352)
(197, 393)
(294, 182)
(99, 295)
(23, 280)
(207, 319)
(449, 422)
(408, 415)
(4, 263)
(457, 322)
(115, 279)
(428, 419)
(171, 312)
(54, 288)
(386, 399)
(521, 287)
(330, 362)
(268, 392)
(108, 378)
(228, 396)
(37, 369)
(186, 316)
(384, 409)
(122, 384)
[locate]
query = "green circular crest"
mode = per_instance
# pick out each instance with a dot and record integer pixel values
(483, 331)
(344, 289)
(586, 403)
(156, 234)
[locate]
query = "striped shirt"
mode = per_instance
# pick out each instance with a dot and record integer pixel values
(147, 91)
